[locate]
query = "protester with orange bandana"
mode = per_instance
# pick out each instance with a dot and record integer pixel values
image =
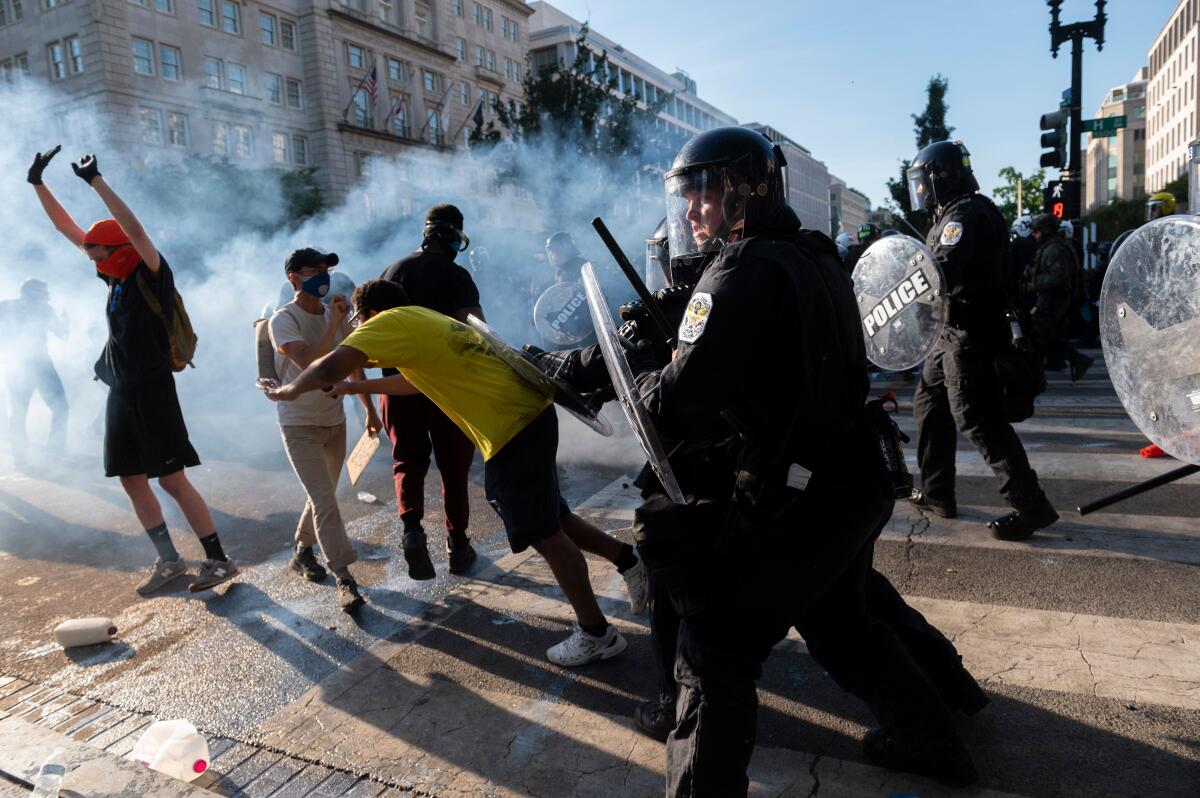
(144, 433)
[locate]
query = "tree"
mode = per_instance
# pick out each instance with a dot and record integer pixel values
(574, 129)
(929, 126)
(1031, 192)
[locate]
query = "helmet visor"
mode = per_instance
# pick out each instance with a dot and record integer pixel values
(696, 215)
(658, 265)
(1156, 209)
(918, 189)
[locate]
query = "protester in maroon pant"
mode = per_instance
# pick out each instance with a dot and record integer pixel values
(415, 424)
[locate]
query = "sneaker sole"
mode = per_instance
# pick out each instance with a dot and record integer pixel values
(197, 587)
(146, 591)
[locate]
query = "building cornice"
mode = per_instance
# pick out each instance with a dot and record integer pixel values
(392, 34)
(346, 127)
(516, 5)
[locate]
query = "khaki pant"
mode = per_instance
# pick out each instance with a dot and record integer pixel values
(316, 454)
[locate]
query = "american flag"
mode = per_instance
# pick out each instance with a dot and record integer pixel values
(371, 84)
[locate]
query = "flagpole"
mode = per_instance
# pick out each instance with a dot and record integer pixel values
(346, 110)
(478, 106)
(441, 109)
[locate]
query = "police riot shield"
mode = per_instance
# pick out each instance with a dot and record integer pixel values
(628, 392)
(564, 395)
(560, 314)
(1150, 332)
(901, 301)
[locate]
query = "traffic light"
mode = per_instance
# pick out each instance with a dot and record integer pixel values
(1056, 139)
(1061, 200)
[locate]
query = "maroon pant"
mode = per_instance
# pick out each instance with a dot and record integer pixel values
(417, 427)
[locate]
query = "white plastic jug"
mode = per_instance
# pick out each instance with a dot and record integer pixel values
(173, 747)
(84, 632)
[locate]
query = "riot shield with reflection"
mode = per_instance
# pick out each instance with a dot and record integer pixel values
(560, 314)
(901, 301)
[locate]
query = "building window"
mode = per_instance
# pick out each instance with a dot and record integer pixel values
(431, 80)
(151, 126)
(168, 62)
(509, 28)
(363, 112)
(287, 35)
(456, 6)
(10, 13)
(356, 56)
(400, 117)
(478, 55)
(421, 12)
(231, 16)
(22, 62)
(490, 60)
(477, 13)
(274, 87)
(208, 14)
(300, 150)
(74, 54)
(267, 26)
(508, 68)
(464, 94)
(165, 6)
(433, 125)
(279, 147)
(213, 71)
(243, 141)
(235, 78)
(395, 69)
(177, 130)
(295, 94)
(487, 19)
(362, 164)
(221, 139)
(460, 48)
(143, 56)
(58, 64)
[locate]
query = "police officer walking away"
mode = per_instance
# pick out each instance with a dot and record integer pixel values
(959, 386)
(415, 425)
(1050, 284)
(761, 406)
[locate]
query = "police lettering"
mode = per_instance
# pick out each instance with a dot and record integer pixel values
(566, 313)
(897, 300)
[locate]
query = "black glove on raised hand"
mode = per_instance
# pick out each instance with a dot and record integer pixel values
(40, 162)
(87, 169)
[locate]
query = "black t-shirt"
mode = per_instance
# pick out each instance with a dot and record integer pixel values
(433, 280)
(138, 349)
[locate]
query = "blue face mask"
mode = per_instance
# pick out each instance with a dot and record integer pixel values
(317, 285)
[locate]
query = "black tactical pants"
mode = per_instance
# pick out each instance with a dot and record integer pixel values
(1049, 322)
(959, 392)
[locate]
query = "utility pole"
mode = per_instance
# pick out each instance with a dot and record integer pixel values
(1076, 32)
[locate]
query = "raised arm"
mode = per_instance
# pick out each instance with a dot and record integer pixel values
(328, 370)
(89, 171)
(59, 217)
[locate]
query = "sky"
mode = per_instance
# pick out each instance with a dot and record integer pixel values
(842, 79)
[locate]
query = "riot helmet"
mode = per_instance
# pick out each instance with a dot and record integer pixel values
(1022, 228)
(658, 258)
(1045, 223)
(940, 173)
(1160, 205)
(724, 184)
(868, 232)
(1067, 229)
(560, 248)
(843, 242)
(1194, 177)
(891, 231)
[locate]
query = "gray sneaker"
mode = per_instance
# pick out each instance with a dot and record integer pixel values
(213, 573)
(162, 572)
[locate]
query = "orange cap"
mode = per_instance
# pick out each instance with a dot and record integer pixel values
(105, 232)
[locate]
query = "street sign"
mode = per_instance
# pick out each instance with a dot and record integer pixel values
(1065, 102)
(1105, 126)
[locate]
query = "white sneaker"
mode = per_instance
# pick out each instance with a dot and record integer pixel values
(581, 648)
(638, 586)
(162, 572)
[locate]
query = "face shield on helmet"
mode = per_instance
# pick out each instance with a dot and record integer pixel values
(701, 213)
(1160, 205)
(658, 261)
(920, 189)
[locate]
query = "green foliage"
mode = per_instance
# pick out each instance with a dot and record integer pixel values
(1005, 195)
(1178, 188)
(929, 126)
(302, 195)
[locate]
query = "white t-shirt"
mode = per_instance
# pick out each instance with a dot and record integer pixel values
(315, 408)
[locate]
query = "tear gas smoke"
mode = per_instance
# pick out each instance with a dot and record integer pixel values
(226, 247)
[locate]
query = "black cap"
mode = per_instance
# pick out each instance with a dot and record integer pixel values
(308, 257)
(445, 214)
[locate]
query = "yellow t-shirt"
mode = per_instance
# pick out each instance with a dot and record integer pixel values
(452, 365)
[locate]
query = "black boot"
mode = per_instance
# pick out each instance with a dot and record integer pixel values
(304, 562)
(1021, 524)
(1079, 367)
(923, 502)
(655, 719)
(943, 759)
(461, 555)
(416, 554)
(963, 693)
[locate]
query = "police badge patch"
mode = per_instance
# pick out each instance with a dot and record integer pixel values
(951, 233)
(695, 319)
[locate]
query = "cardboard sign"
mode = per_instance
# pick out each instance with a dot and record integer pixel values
(362, 453)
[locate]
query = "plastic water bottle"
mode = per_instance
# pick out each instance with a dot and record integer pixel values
(84, 632)
(49, 778)
(173, 747)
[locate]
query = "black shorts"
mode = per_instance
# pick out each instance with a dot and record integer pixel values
(144, 432)
(521, 483)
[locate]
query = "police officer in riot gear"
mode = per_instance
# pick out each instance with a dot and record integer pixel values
(868, 234)
(959, 387)
(770, 374)
(1050, 285)
(563, 257)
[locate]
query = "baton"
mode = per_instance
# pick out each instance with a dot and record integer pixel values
(1141, 487)
(635, 279)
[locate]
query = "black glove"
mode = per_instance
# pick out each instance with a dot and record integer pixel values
(40, 162)
(557, 364)
(673, 301)
(87, 169)
(633, 311)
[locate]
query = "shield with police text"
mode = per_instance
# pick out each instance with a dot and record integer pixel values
(563, 394)
(1150, 331)
(628, 392)
(561, 315)
(901, 301)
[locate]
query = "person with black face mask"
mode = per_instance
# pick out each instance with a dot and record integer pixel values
(416, 426)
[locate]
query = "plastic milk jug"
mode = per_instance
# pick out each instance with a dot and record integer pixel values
(84, 632)
(173, 747)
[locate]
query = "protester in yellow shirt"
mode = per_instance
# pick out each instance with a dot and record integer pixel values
(516, 429)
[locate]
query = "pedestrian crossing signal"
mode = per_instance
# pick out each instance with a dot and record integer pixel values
(1057, 209)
